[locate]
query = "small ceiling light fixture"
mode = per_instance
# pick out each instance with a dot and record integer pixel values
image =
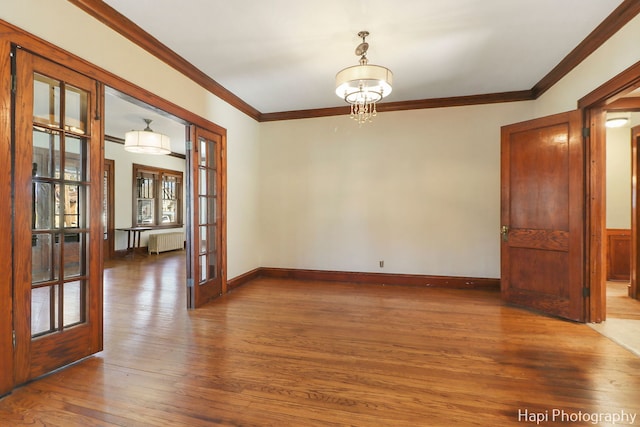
(617, 120)
(363, 85)
(147, 141)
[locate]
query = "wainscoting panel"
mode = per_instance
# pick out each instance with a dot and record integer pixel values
(618, 254)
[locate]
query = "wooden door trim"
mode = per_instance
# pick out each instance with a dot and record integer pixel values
(6, 260)
(595, 105)
(22, 260)
(223, 212)
(595, 215)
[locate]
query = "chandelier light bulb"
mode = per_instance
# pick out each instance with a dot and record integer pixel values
(363, 85)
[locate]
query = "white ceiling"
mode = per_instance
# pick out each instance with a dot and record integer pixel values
(282, 55)
(122, 115)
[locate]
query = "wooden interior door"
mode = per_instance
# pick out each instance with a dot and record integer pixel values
(542, 204)
(6, 222)
(108, 200)
(207, 166)
(58, 184)
(635, 213)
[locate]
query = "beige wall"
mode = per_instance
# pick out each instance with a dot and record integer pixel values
(417, 189)
(619, 174)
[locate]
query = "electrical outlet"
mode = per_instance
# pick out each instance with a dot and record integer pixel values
(381, 264)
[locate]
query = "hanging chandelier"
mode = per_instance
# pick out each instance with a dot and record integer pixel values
(147, 141)
(363, 85)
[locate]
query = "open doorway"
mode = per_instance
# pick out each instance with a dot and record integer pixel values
(622, 311)
(620, 176)
(172, 201)
(148, 191)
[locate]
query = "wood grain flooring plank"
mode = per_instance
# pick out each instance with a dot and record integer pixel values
(281, 352)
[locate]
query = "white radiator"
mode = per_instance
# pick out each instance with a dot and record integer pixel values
(161, 242)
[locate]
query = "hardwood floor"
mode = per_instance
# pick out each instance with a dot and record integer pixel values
(619, 304)
(623, 318)
(292, 353)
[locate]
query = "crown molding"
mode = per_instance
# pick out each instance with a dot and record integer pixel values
(418, 104)
(104, 13)
(127, 28)
(624, 13)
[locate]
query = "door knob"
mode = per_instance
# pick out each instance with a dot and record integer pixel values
(505, 233)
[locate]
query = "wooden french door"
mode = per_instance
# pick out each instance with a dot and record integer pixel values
(207, 276)
(57, 222)
(542, 214)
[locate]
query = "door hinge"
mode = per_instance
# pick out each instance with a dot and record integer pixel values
(14, 83)
(586, 132)
(13, 339)
(586, 292)
(190, 283)
(188, 143)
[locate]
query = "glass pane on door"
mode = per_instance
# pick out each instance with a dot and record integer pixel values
(59, 206)
(43, 258)
(75, 108)
(46, 100)
(44, 313)
(73, 303)
(46, 145)
(207, 202)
